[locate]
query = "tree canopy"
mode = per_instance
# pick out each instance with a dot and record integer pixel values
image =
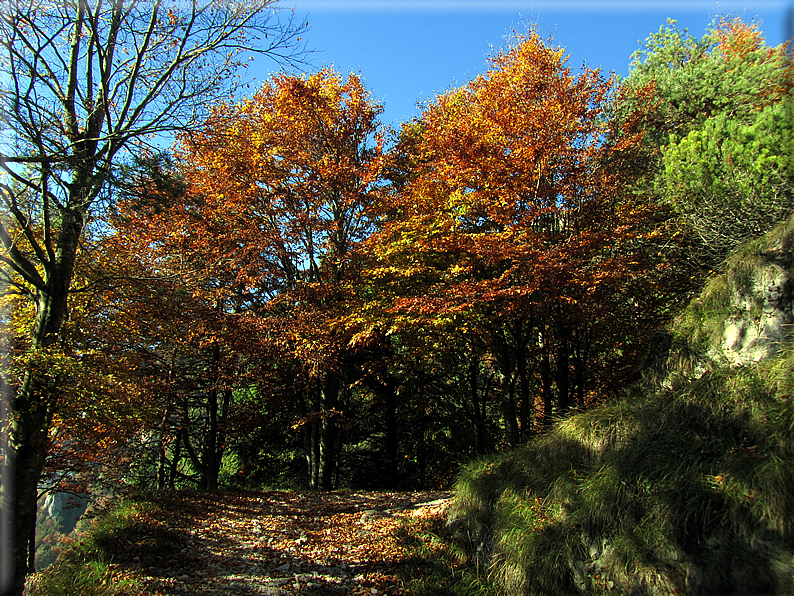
(721, 123)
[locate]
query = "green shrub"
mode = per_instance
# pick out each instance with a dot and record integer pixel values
(86, 564)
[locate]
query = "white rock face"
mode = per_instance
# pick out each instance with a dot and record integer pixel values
(754, 333)
(65, 508)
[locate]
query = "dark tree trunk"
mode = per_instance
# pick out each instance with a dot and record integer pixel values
(521, 339)
(509, 411)
(581, 354)
(311, 431)
(314, 454)
(208, 463)
(525, 412)
(310, 449)
(386, 388)
(508, 398)
(306, 408)
(212, 462)
(33, 406)
(20, 490)
(195, 460)
(213, 448)
(392, 440)
(328, 438)
(478, 405)
(26, 457)
(563, 376)
(162, 456)
(545, 380)
(175, 462)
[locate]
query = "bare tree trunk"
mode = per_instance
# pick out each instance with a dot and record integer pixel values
(68, 126)
(330, 401)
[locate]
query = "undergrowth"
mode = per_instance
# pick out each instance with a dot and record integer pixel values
(688, 491)
(435, 566)
(87, 564)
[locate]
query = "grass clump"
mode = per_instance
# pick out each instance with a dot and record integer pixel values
(85, 576)
(435, 566)
(96, 561)
(678, 491)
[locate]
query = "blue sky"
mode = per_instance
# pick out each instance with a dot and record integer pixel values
(407, 51)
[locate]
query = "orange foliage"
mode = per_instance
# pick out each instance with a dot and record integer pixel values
(516, 215)
(736, 39)
(510, 183)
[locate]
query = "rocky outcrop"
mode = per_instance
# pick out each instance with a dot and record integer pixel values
(746, 314)
(764, 319)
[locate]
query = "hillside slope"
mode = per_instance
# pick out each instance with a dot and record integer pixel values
(683, 486)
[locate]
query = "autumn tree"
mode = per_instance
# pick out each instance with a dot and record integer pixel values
(280, 187)
(98, 394)
(86, 84)
(189, 328)
(511, 222)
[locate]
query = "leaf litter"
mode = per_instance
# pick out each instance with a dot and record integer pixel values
(278, 543)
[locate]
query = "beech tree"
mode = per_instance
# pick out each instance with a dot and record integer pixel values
(509, 220)
(186, 328)
(280, 193)
(100, 408)
(85, 85)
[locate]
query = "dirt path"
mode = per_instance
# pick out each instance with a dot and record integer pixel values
(279, 543)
